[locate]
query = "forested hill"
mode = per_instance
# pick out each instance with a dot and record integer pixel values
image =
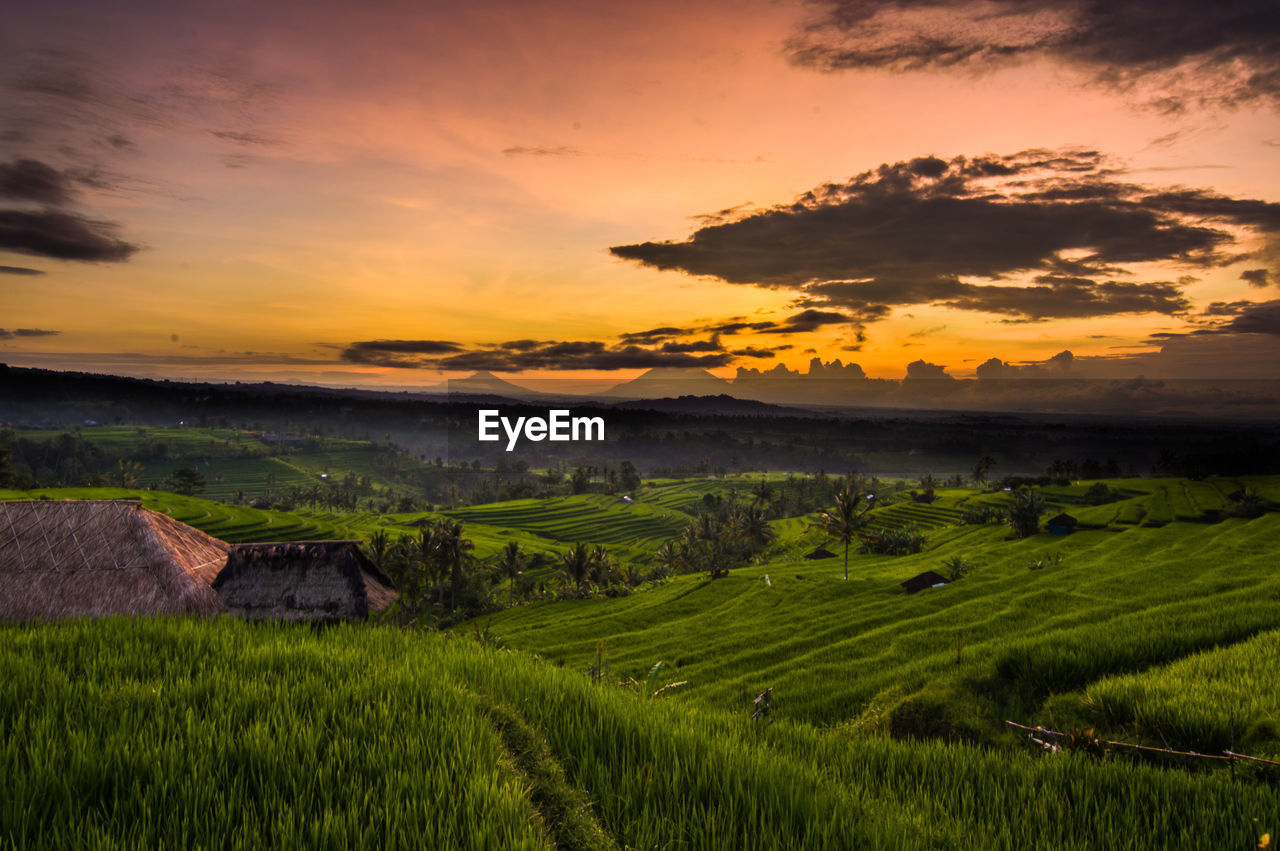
(661, 436)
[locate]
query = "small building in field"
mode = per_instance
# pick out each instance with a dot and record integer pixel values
(303, 581)
(928, 579)
(1063, 524)
(820, 552)
(95, 558)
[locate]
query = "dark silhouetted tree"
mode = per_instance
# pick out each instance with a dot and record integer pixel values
(846, 519)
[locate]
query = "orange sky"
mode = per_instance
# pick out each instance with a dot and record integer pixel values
(301, 179)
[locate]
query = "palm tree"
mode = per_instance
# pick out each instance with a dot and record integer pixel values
(753, 525)
(423, 554)
(577, 564)
(455, 554)
(511, 562)
(1023, 515)
(379, 544)
(763, 494)
(670, 555)
(602, 566)
(845, 520)
(129, 473)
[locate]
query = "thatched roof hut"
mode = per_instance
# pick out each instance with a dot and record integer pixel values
(92, 558)
(820, 553)
(928, 579)
(303, 581)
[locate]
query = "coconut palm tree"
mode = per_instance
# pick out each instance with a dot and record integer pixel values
(511, 562)
(423, 553)
(982, 470)
(602, 566)
(670, 555)
(763, 494)
(753, 526)
(129, 473)
(455, 554)
(578, 564)
(378, 546)
(846, 519)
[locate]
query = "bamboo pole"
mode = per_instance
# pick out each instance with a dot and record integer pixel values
(1227, 756)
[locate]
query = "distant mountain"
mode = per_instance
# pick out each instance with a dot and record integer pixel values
(664, 382)
(484, 383)
(722, 405)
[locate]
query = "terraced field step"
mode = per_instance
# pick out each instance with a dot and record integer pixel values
(591, 518)
(564, 809)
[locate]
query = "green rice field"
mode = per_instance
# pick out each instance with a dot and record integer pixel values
(151, 733)
(1156, 622)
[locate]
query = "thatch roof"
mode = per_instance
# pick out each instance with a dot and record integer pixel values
(1063, 519)
(92, 558)
(303, 581)
(820, 552)
(928, 579)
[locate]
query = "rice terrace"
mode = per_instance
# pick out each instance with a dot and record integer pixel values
(588, 656)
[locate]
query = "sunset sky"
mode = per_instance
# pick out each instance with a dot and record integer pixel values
(392, 194)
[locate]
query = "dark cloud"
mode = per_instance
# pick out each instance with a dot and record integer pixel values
(737, 327)
(1227, 308)
(507, 357)
(396, 352)
(1061, 299)
(1224, 53)
(912, 232)
(991, 368)
(928, 332)
(804, 321)
(6, 334)
(245, 137)
(53, 230)
(809, 320)
(541, 151)
(712, 345)
(1260, 318)
(753, 352)
(923, 369)
(62, 236)
(1256, 277)
(656, 335)
(520, 345)
(19, 270)
(1060, 365)
(32, 180)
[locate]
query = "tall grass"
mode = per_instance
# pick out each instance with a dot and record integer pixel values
(1221, 698)
(184, 734)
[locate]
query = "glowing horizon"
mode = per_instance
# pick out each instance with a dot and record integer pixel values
(398, 194)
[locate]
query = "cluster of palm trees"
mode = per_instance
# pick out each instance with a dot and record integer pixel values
(440, 555)
(717, 541)
(441, 558)
(585, 565)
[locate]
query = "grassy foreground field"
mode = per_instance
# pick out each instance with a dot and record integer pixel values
(1156, 622)
(157, 733)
